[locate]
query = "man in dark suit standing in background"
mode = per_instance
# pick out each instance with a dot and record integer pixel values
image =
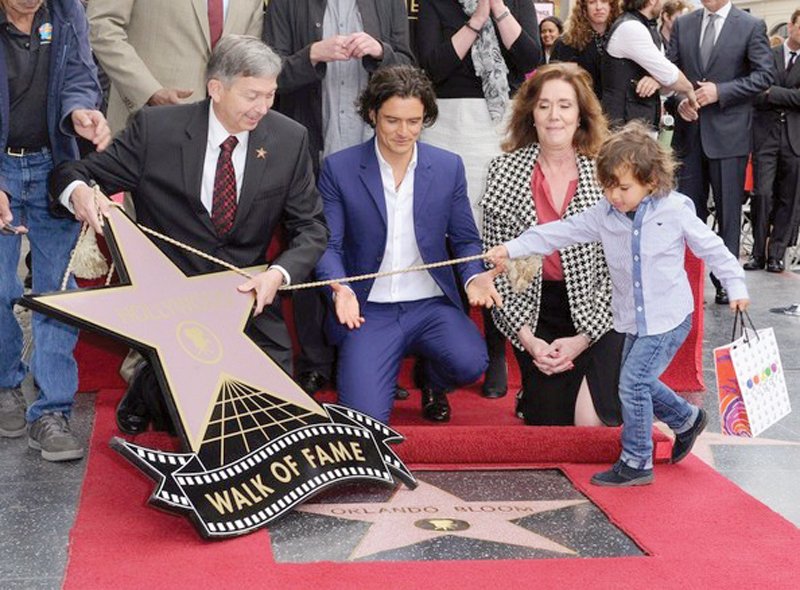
(725, 52)
(329, 49)
(776, 157)
(218, 175)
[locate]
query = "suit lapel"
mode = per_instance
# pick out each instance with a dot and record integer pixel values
(423, 175)
(192, 157)
(260, 146)
(370, 176)
(780, 65)
(729, 28)
(694, 28)
(201, 12)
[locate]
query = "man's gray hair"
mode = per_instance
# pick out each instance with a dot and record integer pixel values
(242, 55)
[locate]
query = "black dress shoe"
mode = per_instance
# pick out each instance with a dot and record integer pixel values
(774, 265)
(721, 298)
(132, 414)
(755, 263)
(495, 381)
(400, 393)
(685, 441)
(311, 382)
(435, 406)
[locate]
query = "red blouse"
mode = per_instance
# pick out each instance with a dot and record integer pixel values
(546, 212)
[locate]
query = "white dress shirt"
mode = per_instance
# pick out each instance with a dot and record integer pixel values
(216, 135)
(631, 40)
(401, 249)
(722, 14)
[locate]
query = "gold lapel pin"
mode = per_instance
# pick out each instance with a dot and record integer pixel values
(261, 153)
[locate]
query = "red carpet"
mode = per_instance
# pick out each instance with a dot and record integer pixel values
(698, 529)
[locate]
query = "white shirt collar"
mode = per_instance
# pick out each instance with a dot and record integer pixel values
(217, 132)
(722, 13)
(412, 165)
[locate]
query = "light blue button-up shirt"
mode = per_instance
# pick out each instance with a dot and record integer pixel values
(650, 290)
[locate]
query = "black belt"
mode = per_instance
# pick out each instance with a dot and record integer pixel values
(22, 152)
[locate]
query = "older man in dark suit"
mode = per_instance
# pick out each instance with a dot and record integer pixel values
(725, 52)
(776, 157)
(218, 175)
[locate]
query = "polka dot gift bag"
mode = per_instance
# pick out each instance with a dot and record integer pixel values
(750, 381)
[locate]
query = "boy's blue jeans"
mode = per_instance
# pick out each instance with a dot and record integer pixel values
(51, 240)
(644, 359)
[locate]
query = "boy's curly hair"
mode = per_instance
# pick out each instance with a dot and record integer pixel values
(634, 149)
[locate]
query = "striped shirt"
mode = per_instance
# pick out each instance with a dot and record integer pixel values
(650, 290)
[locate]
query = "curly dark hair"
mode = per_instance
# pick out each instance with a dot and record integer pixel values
(633, 148)
(403, 81)
(578, 30)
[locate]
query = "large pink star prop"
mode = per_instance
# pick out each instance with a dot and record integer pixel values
(396, 523)
(195, 326)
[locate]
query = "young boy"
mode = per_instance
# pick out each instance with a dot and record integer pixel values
(644, 227)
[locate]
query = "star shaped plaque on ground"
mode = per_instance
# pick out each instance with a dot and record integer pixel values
(257, 443)
(403, 521)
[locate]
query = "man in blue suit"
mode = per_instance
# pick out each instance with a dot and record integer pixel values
(391, 203)
(724, 51)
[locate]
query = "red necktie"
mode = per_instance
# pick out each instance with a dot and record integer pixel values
(223, 203)
(215, 20)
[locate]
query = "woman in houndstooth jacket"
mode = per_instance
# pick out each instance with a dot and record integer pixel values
(558, 316)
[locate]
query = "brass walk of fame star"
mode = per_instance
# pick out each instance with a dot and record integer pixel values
(261, 153)
(429, 512)
(195, 326)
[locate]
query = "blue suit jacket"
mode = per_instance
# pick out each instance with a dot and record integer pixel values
(740, 65)
(355, 209)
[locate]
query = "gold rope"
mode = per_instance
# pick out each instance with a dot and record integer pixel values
(244, 273)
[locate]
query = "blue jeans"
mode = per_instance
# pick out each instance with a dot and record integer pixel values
(51, 239)
(642, 394)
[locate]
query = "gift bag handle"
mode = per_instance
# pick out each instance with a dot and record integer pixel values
(738, 321)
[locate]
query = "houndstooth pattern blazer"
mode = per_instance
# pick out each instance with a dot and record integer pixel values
(508, 210)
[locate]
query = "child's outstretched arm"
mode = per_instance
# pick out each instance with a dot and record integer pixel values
(545, 239)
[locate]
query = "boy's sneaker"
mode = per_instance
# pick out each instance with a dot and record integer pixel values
(51, 435)
(685, 441)
(12, 412)
(621, 475)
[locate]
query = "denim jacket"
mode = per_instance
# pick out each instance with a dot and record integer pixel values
(72, 83)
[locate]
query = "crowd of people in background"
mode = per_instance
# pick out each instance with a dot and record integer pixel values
(492, 117)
